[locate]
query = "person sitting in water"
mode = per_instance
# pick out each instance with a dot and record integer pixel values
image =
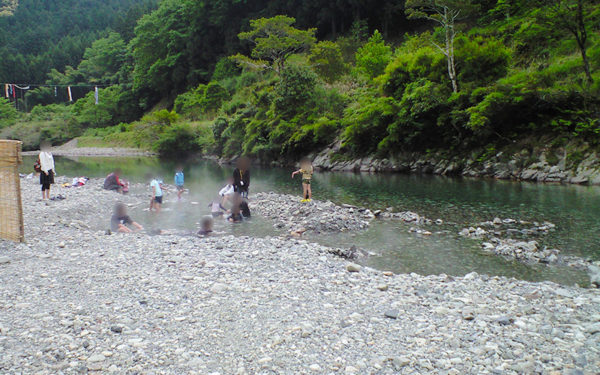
(245, 210)
(206, 226)
(120, 222)
(112, 182)
(227, 191)
(217, 209)
(236, 215)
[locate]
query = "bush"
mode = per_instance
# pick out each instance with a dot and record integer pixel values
(8, 113)
(294, 89)
(177, 141)
(366, 123)
(373, 57)
(326, 58)
(225, 68)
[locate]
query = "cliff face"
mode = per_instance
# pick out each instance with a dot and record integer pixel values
(569, 164)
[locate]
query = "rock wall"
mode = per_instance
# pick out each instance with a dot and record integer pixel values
(537, 165)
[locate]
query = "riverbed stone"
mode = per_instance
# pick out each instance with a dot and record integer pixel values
(283, 296)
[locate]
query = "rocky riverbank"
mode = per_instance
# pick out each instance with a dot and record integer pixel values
(570, 164)
(75, 300)
(71, 149)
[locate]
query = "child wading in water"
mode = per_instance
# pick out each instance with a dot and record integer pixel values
(179, 180)
(157, 194)
(307, 171)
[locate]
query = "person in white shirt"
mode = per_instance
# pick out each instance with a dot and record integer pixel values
(157, 194)
(227, 191)
(47, 173)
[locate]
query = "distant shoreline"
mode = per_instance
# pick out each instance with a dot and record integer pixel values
(96, 151)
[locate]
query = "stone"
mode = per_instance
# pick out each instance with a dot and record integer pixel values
(468, 314)
(96, 358)
(392, 314)
(351, 267)
(265, 360)
(61, 245)
(400, 362)
(116, 329)
(315, 367)
(504, 321)
(4, 260)
(382, 287)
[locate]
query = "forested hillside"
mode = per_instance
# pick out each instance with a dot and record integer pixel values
(280, 79)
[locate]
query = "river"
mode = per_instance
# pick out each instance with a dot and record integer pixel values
(459, 202)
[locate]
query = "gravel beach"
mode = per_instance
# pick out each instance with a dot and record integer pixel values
(74, 300)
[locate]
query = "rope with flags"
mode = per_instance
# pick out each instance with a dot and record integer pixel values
(10, 90)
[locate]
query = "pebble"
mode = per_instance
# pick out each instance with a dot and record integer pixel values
(4, 260)
(351, 267)
(96, 358)
(315, 368)
(173, 304)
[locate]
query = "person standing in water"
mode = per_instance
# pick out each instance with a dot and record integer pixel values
(307, 170)
(241, 177)
(157, 194)
(46, 162)
(179, 181)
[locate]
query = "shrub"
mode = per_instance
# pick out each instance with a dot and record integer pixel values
(366, 123)
(373, 57)
(178, 140)
(225, 68)
(8, 113)
(295, 87)
(326, 58)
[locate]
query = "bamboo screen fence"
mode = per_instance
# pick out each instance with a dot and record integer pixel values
(11, 211)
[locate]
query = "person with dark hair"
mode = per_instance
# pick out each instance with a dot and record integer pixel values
(236, 215)
(113, 183)
(179, 181)
(120, 222)
(245, 210)
(206, 226)
(241, 177)
(47, 171)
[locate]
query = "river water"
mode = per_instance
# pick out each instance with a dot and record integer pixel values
(459, 202)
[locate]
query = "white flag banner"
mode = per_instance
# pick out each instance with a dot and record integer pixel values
(70, 95)
(6, 90)
(96, 94)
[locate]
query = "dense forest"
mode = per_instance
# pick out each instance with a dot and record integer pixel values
(277, 80)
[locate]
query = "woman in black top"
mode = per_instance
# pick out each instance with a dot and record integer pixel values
(241, 177)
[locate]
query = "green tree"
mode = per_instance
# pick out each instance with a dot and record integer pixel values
(8, 113)
(445, 13)
(274, 40)
(295, 87)
(573, 17)
(225, 68)
(7, 7)
(373, 57)
(103, 61)
(327, 60)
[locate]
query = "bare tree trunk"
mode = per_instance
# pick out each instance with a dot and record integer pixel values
(586, 65)
(450, 34)
(581, 37)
